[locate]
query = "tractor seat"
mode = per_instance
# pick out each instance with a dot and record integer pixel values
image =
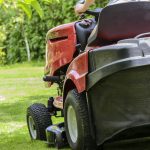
(121, 21)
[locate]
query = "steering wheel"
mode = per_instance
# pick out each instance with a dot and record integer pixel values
(81, 2)
(94, 13)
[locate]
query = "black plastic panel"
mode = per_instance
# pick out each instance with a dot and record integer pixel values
(118, 86)
(132, 144)
(110, 59)
(83, 32)
(121, 101)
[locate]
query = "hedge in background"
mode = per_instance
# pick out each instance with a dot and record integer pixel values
(24, 35)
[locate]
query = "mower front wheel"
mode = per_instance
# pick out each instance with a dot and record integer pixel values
(77, 122)
(38, 119)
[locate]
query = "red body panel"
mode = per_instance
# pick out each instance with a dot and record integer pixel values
(78, 70)
(61, 43)
(61, 46)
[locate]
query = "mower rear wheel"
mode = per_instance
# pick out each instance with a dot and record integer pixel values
(77, 122)
(38, 119)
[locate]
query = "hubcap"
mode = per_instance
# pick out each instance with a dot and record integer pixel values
(32, 128)
(72, 124)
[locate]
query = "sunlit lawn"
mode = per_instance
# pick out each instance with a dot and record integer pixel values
(20, 85)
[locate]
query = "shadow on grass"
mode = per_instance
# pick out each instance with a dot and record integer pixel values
(20, 139)
(15, 112)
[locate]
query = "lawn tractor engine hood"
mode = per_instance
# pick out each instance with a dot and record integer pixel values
(118, 90)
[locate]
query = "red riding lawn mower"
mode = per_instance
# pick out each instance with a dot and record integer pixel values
(102, 68)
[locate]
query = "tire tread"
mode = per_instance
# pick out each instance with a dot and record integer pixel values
(41, 118)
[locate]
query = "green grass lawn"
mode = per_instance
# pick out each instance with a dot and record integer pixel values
(20, 86)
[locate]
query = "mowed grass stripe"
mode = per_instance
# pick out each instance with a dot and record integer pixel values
(21, 85)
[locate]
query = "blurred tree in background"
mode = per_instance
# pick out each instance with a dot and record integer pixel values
(24, 24)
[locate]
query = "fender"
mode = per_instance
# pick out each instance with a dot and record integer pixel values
(76, 74)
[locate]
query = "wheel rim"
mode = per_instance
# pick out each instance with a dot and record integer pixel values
(32, 128)
(72, 124)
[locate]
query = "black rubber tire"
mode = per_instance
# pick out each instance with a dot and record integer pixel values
(42, 120)
(79, 104)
